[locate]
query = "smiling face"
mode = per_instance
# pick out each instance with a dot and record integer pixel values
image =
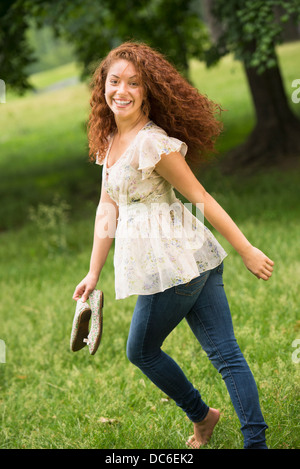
(123, 91)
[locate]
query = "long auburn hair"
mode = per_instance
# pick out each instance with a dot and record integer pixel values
(171, 102)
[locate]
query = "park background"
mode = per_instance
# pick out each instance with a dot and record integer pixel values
(243, 55)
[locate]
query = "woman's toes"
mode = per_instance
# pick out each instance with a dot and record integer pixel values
(193, 443)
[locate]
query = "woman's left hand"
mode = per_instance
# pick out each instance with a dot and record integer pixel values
(258, 263)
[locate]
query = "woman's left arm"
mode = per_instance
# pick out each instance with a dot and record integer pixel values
(177, 172)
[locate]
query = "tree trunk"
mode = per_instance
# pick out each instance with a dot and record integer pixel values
(275, 139)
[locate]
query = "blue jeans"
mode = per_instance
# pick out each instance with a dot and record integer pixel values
(203, 303)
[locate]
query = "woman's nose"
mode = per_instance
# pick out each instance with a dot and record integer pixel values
(122, 88)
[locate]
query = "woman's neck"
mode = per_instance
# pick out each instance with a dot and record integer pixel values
(126, 126)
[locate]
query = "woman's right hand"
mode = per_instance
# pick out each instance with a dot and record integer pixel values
(85, 287)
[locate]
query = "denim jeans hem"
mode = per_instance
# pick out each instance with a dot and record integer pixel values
(201, 417)
(258, 440)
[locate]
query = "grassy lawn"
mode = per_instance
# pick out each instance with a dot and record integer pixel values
(52, 398)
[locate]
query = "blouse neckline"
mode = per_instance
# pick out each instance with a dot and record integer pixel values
(128, 148)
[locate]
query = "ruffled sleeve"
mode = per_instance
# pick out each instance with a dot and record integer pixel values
(152, 146)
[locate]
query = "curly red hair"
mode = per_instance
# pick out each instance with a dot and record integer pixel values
(171, 102)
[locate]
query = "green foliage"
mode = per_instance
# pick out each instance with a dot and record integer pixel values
(250, 30)
(15, 53)
(93, 28)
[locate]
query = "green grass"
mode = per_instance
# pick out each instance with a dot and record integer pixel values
(52, 398)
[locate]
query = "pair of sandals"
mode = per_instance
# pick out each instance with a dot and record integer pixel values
(81, 335)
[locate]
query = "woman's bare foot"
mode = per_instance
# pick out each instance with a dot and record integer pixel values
(203, 430)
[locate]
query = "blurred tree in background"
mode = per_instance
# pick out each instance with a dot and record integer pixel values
(251, 30)
(181, 29)
(15, 53)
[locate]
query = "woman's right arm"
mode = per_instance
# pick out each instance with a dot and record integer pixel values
(104, 233)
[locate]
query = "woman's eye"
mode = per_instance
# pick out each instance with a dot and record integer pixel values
(115, 82)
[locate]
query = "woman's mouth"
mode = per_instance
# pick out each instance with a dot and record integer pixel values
(121, 102)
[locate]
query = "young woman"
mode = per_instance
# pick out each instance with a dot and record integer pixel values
(147, 126)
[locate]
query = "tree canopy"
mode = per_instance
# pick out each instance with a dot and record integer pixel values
(249, 29)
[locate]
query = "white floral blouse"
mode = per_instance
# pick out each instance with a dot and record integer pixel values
(159, 243)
